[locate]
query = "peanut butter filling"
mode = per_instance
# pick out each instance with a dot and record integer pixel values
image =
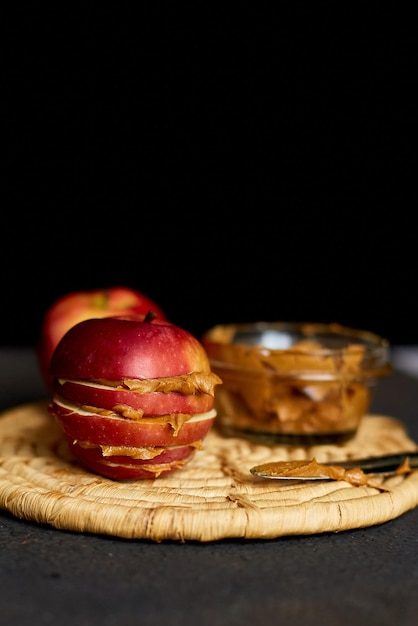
(189, 384)
(144, 453)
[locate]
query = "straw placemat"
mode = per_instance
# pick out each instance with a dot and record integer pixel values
(213, 497)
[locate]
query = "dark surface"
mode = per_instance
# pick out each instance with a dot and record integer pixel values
(366, 577)
(235, 165)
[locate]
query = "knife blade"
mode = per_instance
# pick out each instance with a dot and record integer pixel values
(387, 464)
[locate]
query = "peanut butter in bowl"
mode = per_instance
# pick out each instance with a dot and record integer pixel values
(288, 382)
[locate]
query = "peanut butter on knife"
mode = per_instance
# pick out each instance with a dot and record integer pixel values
(311, 469)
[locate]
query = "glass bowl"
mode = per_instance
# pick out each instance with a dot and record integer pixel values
(291, 382)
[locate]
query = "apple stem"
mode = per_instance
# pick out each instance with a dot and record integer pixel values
(151, 315)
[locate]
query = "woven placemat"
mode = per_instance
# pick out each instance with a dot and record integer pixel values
(213, 497)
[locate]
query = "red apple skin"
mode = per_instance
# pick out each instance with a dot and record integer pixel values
(115, 348)
(126, 473)
(114, 431)
(152, 404)
(78, 306)
(125, 468)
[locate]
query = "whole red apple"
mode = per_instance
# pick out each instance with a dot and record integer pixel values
(133, 397)
(77, 306)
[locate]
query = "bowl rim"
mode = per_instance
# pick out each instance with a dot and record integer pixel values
(374, 348)
(306, 329)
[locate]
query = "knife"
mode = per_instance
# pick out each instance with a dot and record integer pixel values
(387, 465)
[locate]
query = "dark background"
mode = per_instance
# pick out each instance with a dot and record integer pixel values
(244, 167)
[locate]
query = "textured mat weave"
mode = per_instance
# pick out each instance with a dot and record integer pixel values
(213, 497)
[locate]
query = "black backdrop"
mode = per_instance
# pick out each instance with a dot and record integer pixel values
(232, 168)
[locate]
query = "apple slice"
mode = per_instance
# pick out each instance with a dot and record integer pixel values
(112, 430)
(125, 467)
(85, 393)
(115, 348)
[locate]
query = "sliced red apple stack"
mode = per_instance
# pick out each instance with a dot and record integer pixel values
(133, 396)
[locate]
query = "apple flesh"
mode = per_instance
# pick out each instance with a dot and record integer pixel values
(76, 306)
